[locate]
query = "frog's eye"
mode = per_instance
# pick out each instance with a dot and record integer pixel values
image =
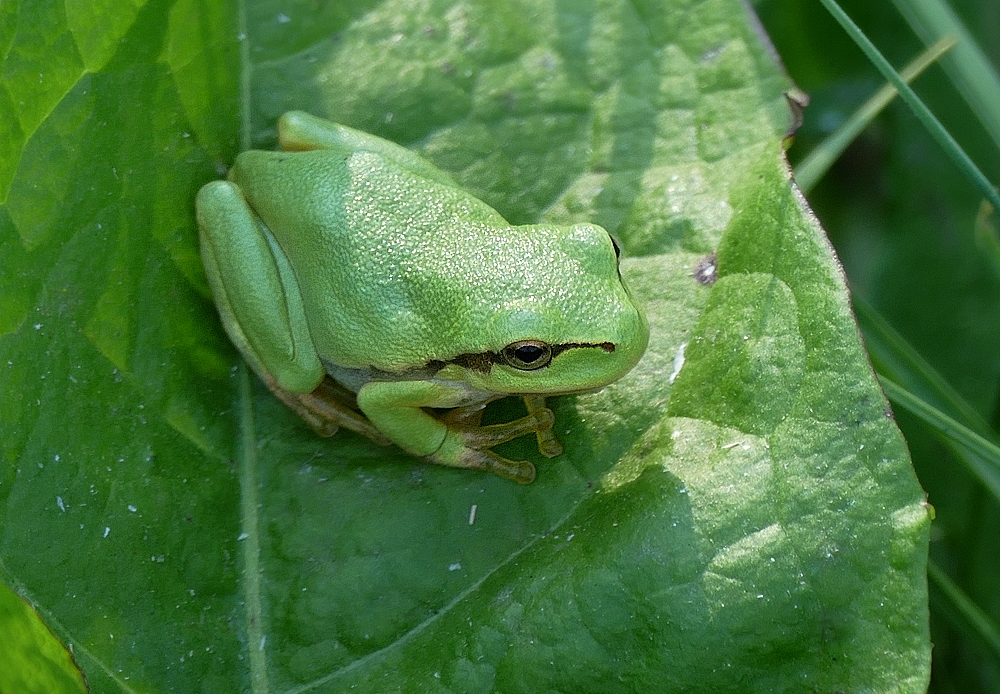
(527, 355)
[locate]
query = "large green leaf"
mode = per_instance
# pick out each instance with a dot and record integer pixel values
(738, 514)
(902, 218)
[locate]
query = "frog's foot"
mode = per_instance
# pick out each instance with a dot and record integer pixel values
(470, 417)
(469, 447)
(548, 444)
(326, 409)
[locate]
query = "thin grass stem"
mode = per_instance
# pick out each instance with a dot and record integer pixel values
(980, 448)
(963, 612)
(920, 110)
(811, 169)
(969, 68)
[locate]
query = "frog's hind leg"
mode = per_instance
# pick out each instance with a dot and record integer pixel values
(255, 289)
(301, 132)
(326, 409)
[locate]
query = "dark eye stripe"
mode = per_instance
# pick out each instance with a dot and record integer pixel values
(529, 357)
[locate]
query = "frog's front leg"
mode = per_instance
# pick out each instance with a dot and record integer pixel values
(470, 416)
(548, 444)
(395, 407)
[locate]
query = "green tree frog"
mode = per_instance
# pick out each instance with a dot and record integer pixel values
(369, 291)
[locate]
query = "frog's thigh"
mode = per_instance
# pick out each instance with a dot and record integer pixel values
(258, 299)
(299, 131)
(394, 407)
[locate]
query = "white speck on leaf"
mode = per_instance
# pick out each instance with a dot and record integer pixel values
(472, 514)
(60, 504)
(454, 567)
(107, 531)
(131, 508)
(242, 536)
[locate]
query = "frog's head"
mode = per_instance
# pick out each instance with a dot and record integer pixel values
(569, 326)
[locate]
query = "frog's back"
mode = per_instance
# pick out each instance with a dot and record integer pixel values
(396, 270)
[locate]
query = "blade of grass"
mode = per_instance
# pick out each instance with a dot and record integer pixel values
(920, 110)
(811, 169)
(896, 359)
(980, 448)
(969, 68)
(988, 235)
(962, 612)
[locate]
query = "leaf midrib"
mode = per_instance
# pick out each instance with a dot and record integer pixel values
(247, 451)
(250, 537)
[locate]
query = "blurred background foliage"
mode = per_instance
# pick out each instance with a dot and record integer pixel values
(903, 218)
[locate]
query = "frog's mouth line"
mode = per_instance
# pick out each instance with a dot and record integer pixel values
(483, 361)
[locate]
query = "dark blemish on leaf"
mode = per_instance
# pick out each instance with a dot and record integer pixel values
(707, 271)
